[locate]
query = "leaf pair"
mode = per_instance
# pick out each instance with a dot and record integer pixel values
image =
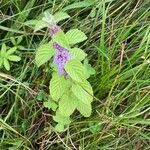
(71, 95)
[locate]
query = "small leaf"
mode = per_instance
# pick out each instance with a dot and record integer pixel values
(48, 18)
(43, 54)
(78, 54)
(60, 38)
(67, 104)
(61, 119)
(40, 25)
(89, 69)
(14, 58)
(41, 95)
(3, 49)
(11, 51)
(1, 61)
(58, 85)
(31, 22)
(59, 127)
(13, 40)
(83, 92)
(84, 109)
(75, 70)
(75, 36)
(59, 16)
(20, 38)
(50, 104)
(6, 64)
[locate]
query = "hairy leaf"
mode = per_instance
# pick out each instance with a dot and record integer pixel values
(78, 54)
(40, 25)
(84, 109)
(59, 16)
(83, 92)
(67, 104)
(75, 70)
(75, 36)
(43, 54)
(61, 39)
(58, 85)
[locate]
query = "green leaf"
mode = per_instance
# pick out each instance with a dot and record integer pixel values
(50, 104)
(43, 54)
(78, 54)
(89, 69)
(75, 70)
(40, 25)
(3, 49)
(59, 16)
(61, 39)
(59, 127)
(67, 104)
(20, 38)
(83, 92)
(64, 120)
(48, 18)
(6, 64)
(31, 22)
(75, 36)
(11, 51)
(13, 40)
(84, 109)
(1, 61)
(14, 58)
(58, 86)
(41, 95)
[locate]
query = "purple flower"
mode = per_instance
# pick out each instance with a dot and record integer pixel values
(53, 30)
(61, 57)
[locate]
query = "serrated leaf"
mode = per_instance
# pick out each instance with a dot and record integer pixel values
(61, 39)
(77, 53)
(59, 16)
(14, 58)
(84, 109)
(58, 85)
(67, 104)
(6, 64)
(11, 51)
(40, 25)
(59, 127)
(75, 70)
(64, 120)
(75, 36)
(83, 92)
(43, 54)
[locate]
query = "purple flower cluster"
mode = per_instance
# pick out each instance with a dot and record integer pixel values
(53, 30)
(61, 57)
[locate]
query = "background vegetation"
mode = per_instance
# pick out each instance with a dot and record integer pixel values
(118, 47)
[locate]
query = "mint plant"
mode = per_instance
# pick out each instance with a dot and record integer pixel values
(69, 88)
(7, 55)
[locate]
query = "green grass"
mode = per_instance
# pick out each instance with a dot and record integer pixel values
(118, 47)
